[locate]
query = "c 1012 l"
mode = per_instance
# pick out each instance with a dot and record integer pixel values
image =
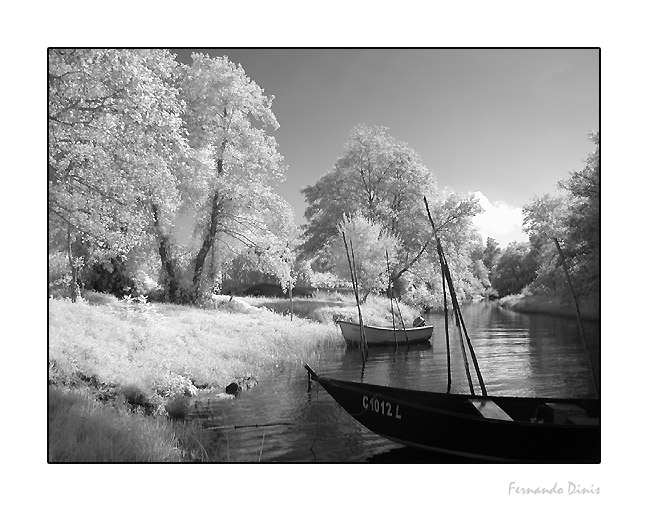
(384, 407)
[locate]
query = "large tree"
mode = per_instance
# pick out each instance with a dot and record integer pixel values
(384, 180)
(233, 199)
(376, 176)
(115, 138)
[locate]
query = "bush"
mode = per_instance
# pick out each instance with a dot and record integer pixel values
(229, 304)
(99, 298)
(177, 407)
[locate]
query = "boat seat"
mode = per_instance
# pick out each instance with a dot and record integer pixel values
(489, 409)
(582, 421)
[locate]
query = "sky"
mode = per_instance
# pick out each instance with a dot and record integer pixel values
(504, 124)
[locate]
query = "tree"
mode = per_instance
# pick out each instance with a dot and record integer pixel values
(485, 261)
(544, 223)
(582, 233)
(227, 116)
(369, 242)
(479, 270)
(491, 253)
(515, 269)
(565, 230)
(376, 176)
(385, 181)
(114, 140)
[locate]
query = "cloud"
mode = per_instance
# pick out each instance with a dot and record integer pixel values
(500, 221)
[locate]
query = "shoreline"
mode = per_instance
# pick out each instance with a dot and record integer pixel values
(123, 375)
(551, 305)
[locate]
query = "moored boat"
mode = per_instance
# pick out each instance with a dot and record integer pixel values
(497, 429)
(379, 335)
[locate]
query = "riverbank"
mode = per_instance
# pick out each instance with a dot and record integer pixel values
(333, 307)
(553, 305)
(123, 374)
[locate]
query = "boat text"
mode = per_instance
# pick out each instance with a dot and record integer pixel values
(384, 407)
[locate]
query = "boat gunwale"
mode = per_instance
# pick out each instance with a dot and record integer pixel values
(358, 387)
(388, 328)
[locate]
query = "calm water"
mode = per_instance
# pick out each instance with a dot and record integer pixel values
(518, 354)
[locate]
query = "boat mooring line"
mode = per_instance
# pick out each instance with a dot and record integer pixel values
(366, 408)
(311, 447)
(270, 424)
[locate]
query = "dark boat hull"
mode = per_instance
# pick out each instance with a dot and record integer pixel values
(448, 423)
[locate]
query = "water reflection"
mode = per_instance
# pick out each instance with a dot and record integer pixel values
(523, 355)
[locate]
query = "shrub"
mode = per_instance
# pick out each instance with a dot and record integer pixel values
(177, 407)
(99, 298)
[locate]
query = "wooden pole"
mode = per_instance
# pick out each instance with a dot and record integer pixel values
(363, 343)
(455, 310)
(459, 318)
(444, 296)
(390, 296)
(577, 305)
(462, 322)
(406, 335)
(464, 351)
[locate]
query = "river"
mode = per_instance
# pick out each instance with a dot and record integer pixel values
(519, 354)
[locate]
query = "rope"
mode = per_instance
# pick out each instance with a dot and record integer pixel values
(262, 448)
(270, 424)
(316, 432)
(390, 295)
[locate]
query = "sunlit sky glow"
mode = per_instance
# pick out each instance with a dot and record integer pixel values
(499, 220)
(509, 123)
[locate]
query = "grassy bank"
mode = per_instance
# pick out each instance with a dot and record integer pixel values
(332, 307)
(120, 371)
(154, 346)
(554, 305)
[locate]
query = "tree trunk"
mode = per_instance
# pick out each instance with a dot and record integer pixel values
(164, 250)
(208, 241)
(211, 234)
(291, 297)
(410, 264)
(73, 270)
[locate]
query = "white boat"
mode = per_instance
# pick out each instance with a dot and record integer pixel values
(382, 336)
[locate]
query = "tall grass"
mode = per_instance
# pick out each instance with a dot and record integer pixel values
(82, 429)
(155, 347)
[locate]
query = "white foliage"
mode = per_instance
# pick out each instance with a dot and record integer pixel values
(368, 243)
